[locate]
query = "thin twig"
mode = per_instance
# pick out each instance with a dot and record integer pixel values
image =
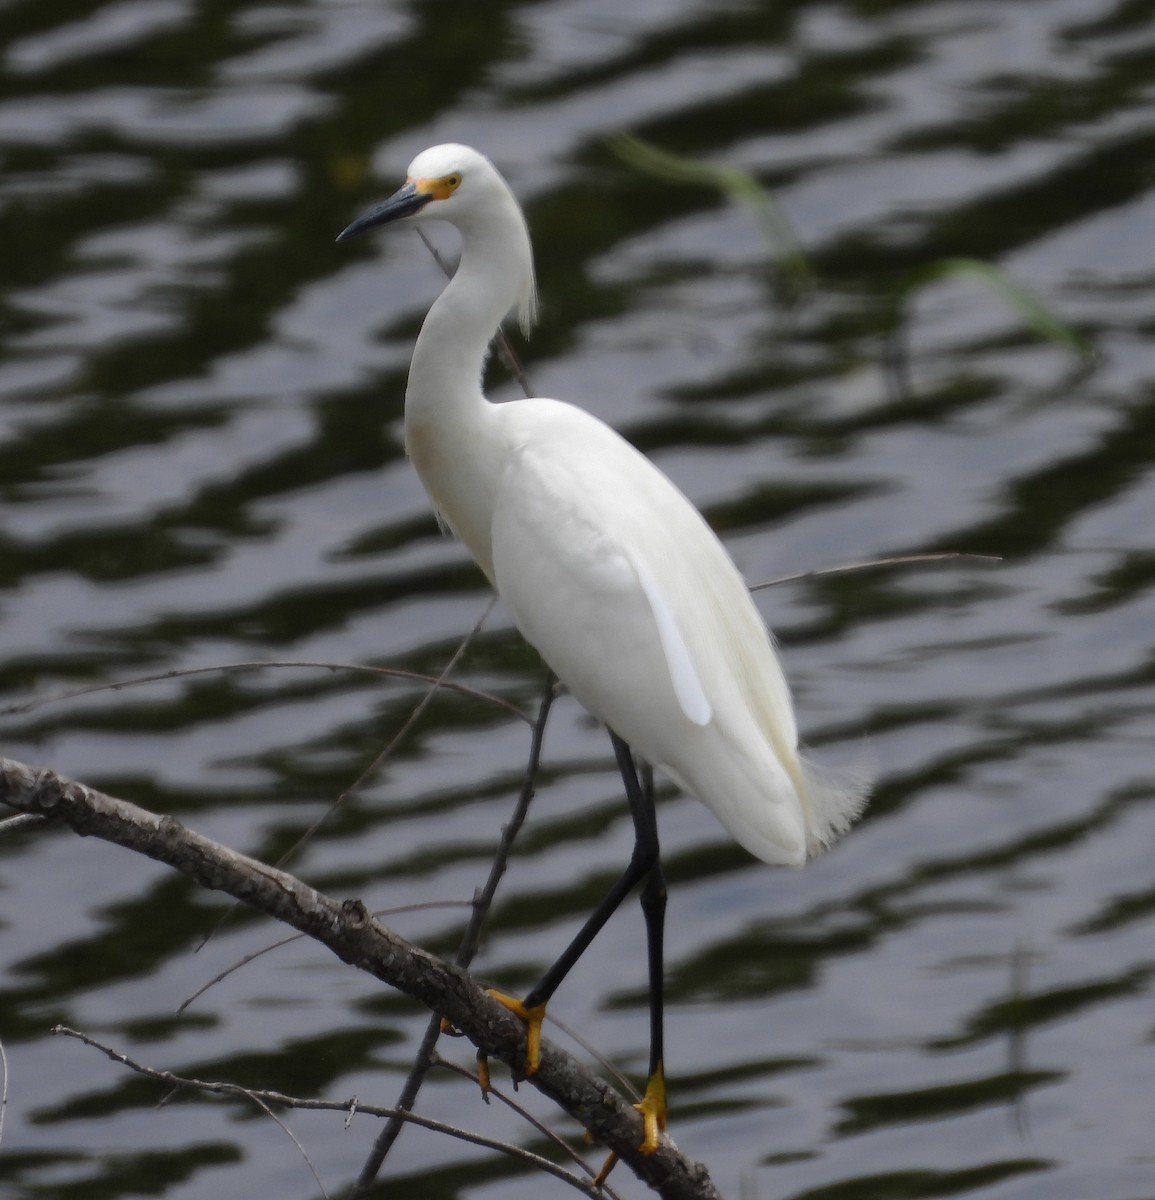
(20, 821)
(257, 1099)
(258, 665)
(267, 1098)
(899, 560)
(373, 767)
(296, 937)
(510, 830)
(526, 1115)
(403, 1111)
(394, 741)
(623, 1081)
(465, 951)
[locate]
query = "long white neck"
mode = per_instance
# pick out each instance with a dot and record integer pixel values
(450, 433)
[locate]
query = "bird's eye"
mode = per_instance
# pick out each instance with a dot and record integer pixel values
(440, 187)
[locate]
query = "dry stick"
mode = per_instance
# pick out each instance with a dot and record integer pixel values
(465, 951)
(352, 1106)
(372, 768)
(355, 937)
(258, 665)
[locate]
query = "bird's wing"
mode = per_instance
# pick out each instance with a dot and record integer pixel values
(584, 534)
(612, 574)
(684, 675)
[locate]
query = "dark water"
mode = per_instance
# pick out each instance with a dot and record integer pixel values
(200, 464)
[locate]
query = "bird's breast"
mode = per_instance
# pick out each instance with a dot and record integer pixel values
(454, 473)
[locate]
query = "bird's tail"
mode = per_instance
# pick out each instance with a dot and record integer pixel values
(833, 798)
(783, 812)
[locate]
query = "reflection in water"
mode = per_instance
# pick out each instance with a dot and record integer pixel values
(200, 463)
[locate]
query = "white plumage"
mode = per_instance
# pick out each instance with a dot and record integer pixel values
(607, 569)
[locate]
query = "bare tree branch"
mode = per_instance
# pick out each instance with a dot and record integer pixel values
(267, 1100)
(352, 934)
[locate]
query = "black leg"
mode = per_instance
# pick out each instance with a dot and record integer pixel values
(641, 865)
(653, 1105)
(654, 910)
(645, 865)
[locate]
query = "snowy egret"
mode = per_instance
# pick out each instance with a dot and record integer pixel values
(609, 571)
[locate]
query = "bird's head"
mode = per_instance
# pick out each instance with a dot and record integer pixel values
(457, 184)
(448, 183)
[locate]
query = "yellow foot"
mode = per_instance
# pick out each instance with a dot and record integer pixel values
(652, 1106)
(653, 1110)
(533, 1018)
(604, 1174)
(483, 1076)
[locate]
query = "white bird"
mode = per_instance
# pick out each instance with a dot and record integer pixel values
(607, 569)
